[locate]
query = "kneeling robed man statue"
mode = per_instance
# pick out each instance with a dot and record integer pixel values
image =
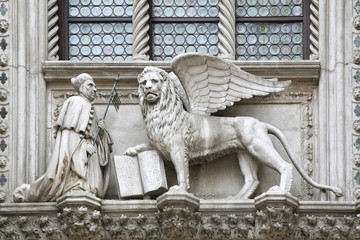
(204, 84)
(76, 127)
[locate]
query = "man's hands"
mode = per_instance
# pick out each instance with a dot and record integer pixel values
(102, 124)
(90, 149)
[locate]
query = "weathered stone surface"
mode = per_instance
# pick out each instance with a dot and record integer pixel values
(141, 175)
(128, 176)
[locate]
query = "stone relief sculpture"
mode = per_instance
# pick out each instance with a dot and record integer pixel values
(204, 84)
(76, 126)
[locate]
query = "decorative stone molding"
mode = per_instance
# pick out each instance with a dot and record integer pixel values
(4, 94)
(356, 93)
(4, 126)
(275, 217)
(141, 30)
(314, 29)
(4, 26)
(5, 109)
(171, 223)
(4, 60)
(270, 222)
(355, 99)
(227, 29)
(3, 162)
(356, 57)
(53, 28)
(356, 22)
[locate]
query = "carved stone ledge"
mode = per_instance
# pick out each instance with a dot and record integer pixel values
(178, 200)
(79, 198)
(305, 72)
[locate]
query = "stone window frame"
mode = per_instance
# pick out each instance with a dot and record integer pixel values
(141, 26)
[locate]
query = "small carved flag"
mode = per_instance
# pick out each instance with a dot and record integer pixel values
(116, 101)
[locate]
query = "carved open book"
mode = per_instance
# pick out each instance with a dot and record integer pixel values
(141, 175)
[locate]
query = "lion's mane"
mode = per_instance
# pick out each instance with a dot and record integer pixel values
(165, 118)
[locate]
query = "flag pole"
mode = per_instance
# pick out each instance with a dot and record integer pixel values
(106, 110)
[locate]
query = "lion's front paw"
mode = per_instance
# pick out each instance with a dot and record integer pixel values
(131, 151)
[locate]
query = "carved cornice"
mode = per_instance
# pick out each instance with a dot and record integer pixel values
(304, 72)
(227, 29)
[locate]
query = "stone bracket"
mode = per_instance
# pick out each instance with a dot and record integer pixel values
(178, 199)
(78, 199)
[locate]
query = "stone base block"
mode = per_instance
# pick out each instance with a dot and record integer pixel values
(78, 198)
(276, 198)
(178, 199)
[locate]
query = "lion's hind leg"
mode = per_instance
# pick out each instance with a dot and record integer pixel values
(249, 167)
(255, 139)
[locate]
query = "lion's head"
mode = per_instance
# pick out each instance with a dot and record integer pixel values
(150, 84)
(155, 89)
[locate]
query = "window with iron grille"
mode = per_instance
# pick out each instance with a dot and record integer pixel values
(99, 30)
(183, 26)
(272, 29)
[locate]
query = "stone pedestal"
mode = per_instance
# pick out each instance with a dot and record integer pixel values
(275, 216)
(178, 199)
(177, 207)
(77, 198)
(277, 199)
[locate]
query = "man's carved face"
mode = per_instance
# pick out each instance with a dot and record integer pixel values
(150, 85)
(88, 90)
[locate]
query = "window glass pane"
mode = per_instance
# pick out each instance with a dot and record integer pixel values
(185, 8)
(274, 41)
(100, 8)
(100, 41)
(269, 8)
(171, 39)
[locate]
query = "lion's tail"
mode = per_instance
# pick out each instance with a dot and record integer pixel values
(276, 132)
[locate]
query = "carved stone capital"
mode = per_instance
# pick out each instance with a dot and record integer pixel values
(77, 198)
(178, 199)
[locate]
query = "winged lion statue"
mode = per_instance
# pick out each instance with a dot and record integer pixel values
(177, 111)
